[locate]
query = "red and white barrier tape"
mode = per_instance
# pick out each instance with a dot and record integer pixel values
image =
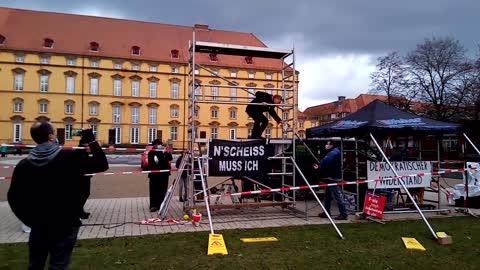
(265, 191)
(150, 221)
(86, 148)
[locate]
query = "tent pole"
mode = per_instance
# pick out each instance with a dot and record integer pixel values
(471, 143)
(405, 187)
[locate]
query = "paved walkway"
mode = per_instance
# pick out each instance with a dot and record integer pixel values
(107, 213)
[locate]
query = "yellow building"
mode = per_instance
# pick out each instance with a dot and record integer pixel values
(126, 79)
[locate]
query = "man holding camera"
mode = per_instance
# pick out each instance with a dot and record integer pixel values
(45, 194)
(159, 158)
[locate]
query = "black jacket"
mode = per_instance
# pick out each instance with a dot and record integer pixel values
(49, 195)
(331, 164)
(262, 97)
(164, 159)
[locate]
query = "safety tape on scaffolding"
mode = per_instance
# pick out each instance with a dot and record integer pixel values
(86, 148)
(265, 191)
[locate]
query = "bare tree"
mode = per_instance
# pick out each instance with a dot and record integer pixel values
(389, 76)
(472, 97)
(440, 72)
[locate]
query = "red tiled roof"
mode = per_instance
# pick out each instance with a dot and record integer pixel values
(26, 31)
(346, 106)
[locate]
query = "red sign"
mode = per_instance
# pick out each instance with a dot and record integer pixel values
(374, 205)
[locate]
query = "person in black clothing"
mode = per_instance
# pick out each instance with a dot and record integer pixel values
(159, 158)
(44, 194)
(256, 112)
(85, 183)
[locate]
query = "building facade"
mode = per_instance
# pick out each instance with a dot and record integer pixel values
(125, 79)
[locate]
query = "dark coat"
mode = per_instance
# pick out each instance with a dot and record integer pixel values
(331, 164)
(262, 97)
(164, 159)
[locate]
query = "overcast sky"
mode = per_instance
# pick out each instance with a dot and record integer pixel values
(336, 41)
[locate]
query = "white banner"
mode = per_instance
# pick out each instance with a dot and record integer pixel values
(381, 170)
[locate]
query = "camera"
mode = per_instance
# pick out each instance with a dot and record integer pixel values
(77, 132)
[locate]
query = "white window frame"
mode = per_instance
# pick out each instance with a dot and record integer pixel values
(268, 133)
(43, 107)
(69, 108)
(250, 91)
(135, 119)
(232, 133)
(214, 114)
(152, 115)
(232, 114)
(152, 89)
(173, 112)
(117, 87)
(249, 131)
(214, 132)
(44, 83)
(70, 85)
(19, 59)
(214, 92)
(93, 109)
(71, 62)
(197, 72)
(19, 79)
(233, 94)
(153, 68)
(117, 114)
(174, 133)
(117, 66)
(233, 74)
(285, 116)
(94, 83)
(151, 135)
(134, 135)
(68, 132)
(251, 75)
(18, 106)
(176, 70)
(44, 60)
(118, 135)
(94, 64)
(135, 88)
(268, 76)
(17, 132)
(174, 90)
(136, 67)
(94, 130)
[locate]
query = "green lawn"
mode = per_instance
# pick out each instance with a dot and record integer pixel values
(368, 246)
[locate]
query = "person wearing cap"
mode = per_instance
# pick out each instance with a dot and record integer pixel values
(256, 112)
(159, 158)
(45, 194)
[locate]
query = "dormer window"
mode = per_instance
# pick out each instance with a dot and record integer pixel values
(174, 54)
(248, 60)
(48, 43)
(135, 50)
(2, 39)
(213, 57)
(94, 46)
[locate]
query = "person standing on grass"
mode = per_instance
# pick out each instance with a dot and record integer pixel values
(330, 168)
(256, 112)
(44, 194)
(159, 158)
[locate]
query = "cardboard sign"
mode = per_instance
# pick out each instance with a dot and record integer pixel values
(381, 170)
(233, 158)
(374, 205)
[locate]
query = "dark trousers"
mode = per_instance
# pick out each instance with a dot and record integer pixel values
(56, 242)
(158, 188)
(260, 123)
(334, 192)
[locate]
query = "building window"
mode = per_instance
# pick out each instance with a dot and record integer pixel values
(213, 57)
(17, 133)
(174, 91)
(233, 74)
(173, 133)
(233, 114)
(43, 108)
(196, 112)
(152, 89)
(301, 124)
(248, 60)
(117, 66)
(174, 54)
(94, 46)
(214, 93)
(134, 135)
(93, 109)
(135, 115)
(152, 135)
(48, 43)
(174, 112)
(44, 60)
(135, 50)
(68, 131)
(268, 133)
(70, 62)
(251, 75)
(197, 72)
(214, 132)
(153, 68)
(135, 88)
(214, 113)
(268, 76)
(269, 91)
(116, 114)
(285, 116)
(70, 85)
(94, 130)
(233, 94)
(69, 108)
(233, 134)
(94, 63)
(250, 130)
(118, 135)
(93, 86)
(251, 92)
(2, 39)
(175, 70)
(19, 81)
(197, 92)
(18, 106)
(19, 58)
(117, 87)
(135, 67)
(215, 71)
(152, 115)
(43, 83)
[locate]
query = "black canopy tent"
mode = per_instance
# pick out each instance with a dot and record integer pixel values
(380, 119)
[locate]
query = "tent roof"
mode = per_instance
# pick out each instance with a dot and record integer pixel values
(379, 117)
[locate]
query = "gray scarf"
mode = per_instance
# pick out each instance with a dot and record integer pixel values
(43, 153)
